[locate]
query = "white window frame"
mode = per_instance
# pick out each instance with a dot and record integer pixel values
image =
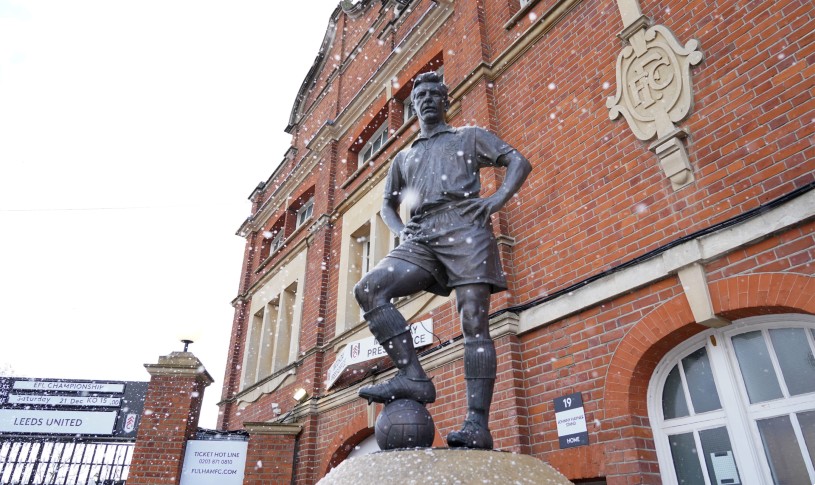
(408, 111)
(366, 261)
(374, 144)
(276, 242)
(305, 212)
(737, 414)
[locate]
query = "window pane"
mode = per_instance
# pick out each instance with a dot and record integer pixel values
(673, 397)
(756, 368)
(721, 465)
(795, 358)
(699, 377)
(807, 422)
(686, 461)
(782, 451)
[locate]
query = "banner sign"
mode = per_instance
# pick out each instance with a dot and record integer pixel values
(571, 421)
(70, 386)
(47, 400)
(360, 351)
(57, 422)
(214, 462)
(71, 407)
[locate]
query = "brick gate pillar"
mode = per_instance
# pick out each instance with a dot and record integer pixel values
(270, 457)
(170, 418)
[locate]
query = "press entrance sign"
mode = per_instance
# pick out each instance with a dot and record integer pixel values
(571, 421)
(356, 353)
(214, 462)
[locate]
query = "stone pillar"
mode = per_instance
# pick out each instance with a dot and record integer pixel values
(169, 419)
(270, 457)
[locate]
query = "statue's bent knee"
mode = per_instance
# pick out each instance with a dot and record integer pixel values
(364, 292)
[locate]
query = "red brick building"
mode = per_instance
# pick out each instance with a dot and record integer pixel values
(659, 257)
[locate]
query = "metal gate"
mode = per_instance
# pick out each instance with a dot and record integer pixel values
(48, 462)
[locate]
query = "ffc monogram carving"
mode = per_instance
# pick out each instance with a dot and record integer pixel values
(653, 82)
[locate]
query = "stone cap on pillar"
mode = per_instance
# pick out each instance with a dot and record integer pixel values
(260, 428)
(184, 364)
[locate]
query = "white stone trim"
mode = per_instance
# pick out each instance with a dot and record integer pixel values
(277, 429)
(183, 364)
(268, 387)
(704, 249)
(694, 283)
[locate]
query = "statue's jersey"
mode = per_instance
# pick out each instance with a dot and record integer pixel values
(435, 177)
(443, 168)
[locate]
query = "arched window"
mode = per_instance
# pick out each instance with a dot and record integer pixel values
(737, 404)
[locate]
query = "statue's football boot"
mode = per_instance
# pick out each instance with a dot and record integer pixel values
(471, 435)
(400, 387)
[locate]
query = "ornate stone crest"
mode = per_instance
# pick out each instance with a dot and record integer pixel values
(654, 93)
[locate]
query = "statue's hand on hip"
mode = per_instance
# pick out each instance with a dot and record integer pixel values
(410, 231)
(479, 210)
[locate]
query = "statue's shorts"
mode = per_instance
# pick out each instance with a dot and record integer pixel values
(454, 250)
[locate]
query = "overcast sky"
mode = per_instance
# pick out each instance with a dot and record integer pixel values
(131, 134)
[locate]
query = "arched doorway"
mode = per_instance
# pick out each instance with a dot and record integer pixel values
(737, 404)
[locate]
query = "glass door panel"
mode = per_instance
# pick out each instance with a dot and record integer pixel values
(701, 387)
(686, 459)
(756, 367)
(721, 465)
(782, 451)
(795, 359)
(807, 422)
(673, 396)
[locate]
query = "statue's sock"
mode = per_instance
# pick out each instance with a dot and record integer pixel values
(392, 331)
(479, 372)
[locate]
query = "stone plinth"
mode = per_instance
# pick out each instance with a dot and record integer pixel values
(444, 466)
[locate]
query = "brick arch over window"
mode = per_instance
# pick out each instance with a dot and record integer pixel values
(633, 363)
(348, 437)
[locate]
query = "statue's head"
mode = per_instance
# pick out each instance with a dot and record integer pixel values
(429, 97)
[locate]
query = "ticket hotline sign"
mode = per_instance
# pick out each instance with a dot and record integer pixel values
(81, 408)
(214, 462)
(571, 421)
